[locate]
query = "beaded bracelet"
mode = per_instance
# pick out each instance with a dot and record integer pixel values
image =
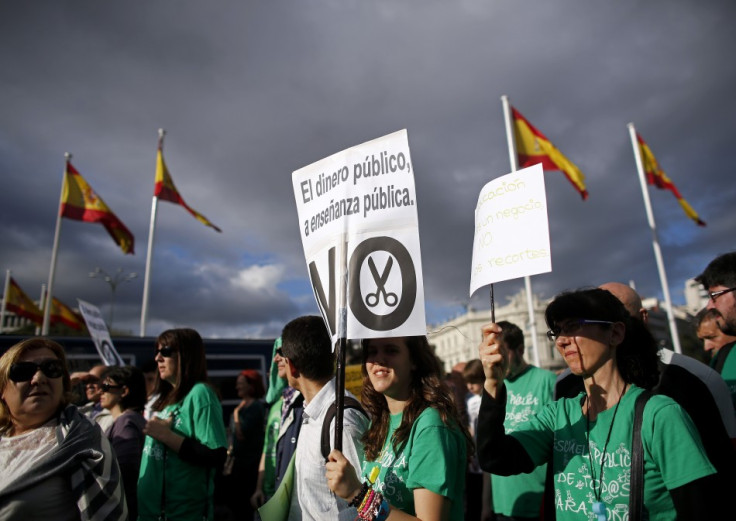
(357, 500)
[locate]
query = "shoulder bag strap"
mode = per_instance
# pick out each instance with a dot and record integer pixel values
(636, 497)
(350, 403)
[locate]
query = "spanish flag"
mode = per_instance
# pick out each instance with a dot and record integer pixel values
(657, 177)
(80, 202)
(61, 313)
(533, 147)
(21, 304)
(166, 190)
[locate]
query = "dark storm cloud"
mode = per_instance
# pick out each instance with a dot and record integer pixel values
(249, 92)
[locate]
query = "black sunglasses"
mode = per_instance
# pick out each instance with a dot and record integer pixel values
(165, 351)
(280, 352)
(24, 371)
(106, 387)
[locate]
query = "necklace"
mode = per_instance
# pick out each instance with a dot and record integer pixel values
(599, 508)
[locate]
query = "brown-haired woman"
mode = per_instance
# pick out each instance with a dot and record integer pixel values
(185, 440)
(416, 440)
(54, 463)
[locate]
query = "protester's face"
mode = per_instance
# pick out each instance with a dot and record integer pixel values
(242, 387)
(113, 395)
(726, 306)
(92, 388)
(150, 382)
(474, 388)
(389, 367)
(168, 366)
(587, 347)
(280, 365)
(712, 336)
(33, 402)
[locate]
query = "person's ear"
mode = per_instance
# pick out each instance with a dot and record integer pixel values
(618, 332)
(291, 369)
(125, 391)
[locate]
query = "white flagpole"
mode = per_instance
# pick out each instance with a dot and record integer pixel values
(527, 279)
(40, 305)
(149, 254)
(655, 243)
(6, 294)
(54, 251)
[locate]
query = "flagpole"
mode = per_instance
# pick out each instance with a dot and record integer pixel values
(655, 242)
(6, 294)
(40, 304)
(54, 251)
(527, 279)
(149, 254)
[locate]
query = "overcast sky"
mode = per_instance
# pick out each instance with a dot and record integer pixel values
(250, 91)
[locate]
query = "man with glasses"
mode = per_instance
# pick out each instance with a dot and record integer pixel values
(719, 280)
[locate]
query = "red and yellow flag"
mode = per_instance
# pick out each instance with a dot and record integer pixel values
(81, 203)
(21, 304)
(166, 190)
(61, 313)
(657, 177)
(533, 147)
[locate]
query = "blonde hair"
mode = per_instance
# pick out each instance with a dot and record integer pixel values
(12, 355)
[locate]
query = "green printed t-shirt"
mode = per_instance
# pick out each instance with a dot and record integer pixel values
(188, 488)
(273, 422)
(527, 394)
(673, 455)
(434, 458)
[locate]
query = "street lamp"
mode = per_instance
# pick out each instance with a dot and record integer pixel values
(113, 280)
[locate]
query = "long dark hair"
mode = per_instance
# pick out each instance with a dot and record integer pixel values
(427, 389)
(636, 356)
(191, 365)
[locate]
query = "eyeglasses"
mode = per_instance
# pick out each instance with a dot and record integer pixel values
(280, 352)
(106, 387)
(166, 352)
(24, 371)
(714, 295)
(572, 327)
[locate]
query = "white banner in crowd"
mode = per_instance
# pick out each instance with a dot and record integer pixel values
(511, 229)
(357, 211)
(100, 335)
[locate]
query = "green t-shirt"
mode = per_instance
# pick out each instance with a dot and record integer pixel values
(434, 458)
(188, 488)
(673, 455)
(527, 393)
(273, 422)
(728, 373)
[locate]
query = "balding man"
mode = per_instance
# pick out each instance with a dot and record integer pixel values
(92, 387)
(697, 388)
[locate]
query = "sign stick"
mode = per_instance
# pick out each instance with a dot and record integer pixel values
(493, 307)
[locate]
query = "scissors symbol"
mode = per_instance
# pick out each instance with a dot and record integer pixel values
(390, 298)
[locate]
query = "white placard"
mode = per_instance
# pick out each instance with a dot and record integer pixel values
(357, 212)
(511, 229)
(99, 333)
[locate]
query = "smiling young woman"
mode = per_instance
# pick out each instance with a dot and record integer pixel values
(416, 445)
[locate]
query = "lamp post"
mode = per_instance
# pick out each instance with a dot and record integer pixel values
(113, 280)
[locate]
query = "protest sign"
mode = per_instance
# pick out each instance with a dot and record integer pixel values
(511, 229)
(98, 331)
(359, 229)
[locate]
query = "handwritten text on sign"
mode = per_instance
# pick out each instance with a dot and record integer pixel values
(511, 229)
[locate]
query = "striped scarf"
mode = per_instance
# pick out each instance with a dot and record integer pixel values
(84, 454)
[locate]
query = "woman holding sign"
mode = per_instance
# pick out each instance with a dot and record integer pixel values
(416, 446)
(185, 441)
(588, 440)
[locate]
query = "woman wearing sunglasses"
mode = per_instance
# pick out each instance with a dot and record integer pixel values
(124, 395)
(587, 440)
(416, 445)
(54, 463)
(185, 439)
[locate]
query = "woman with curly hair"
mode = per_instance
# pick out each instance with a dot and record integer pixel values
(587, 440)
(185, 440)
(416, 446)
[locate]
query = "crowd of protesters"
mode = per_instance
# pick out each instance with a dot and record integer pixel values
(628, 431)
